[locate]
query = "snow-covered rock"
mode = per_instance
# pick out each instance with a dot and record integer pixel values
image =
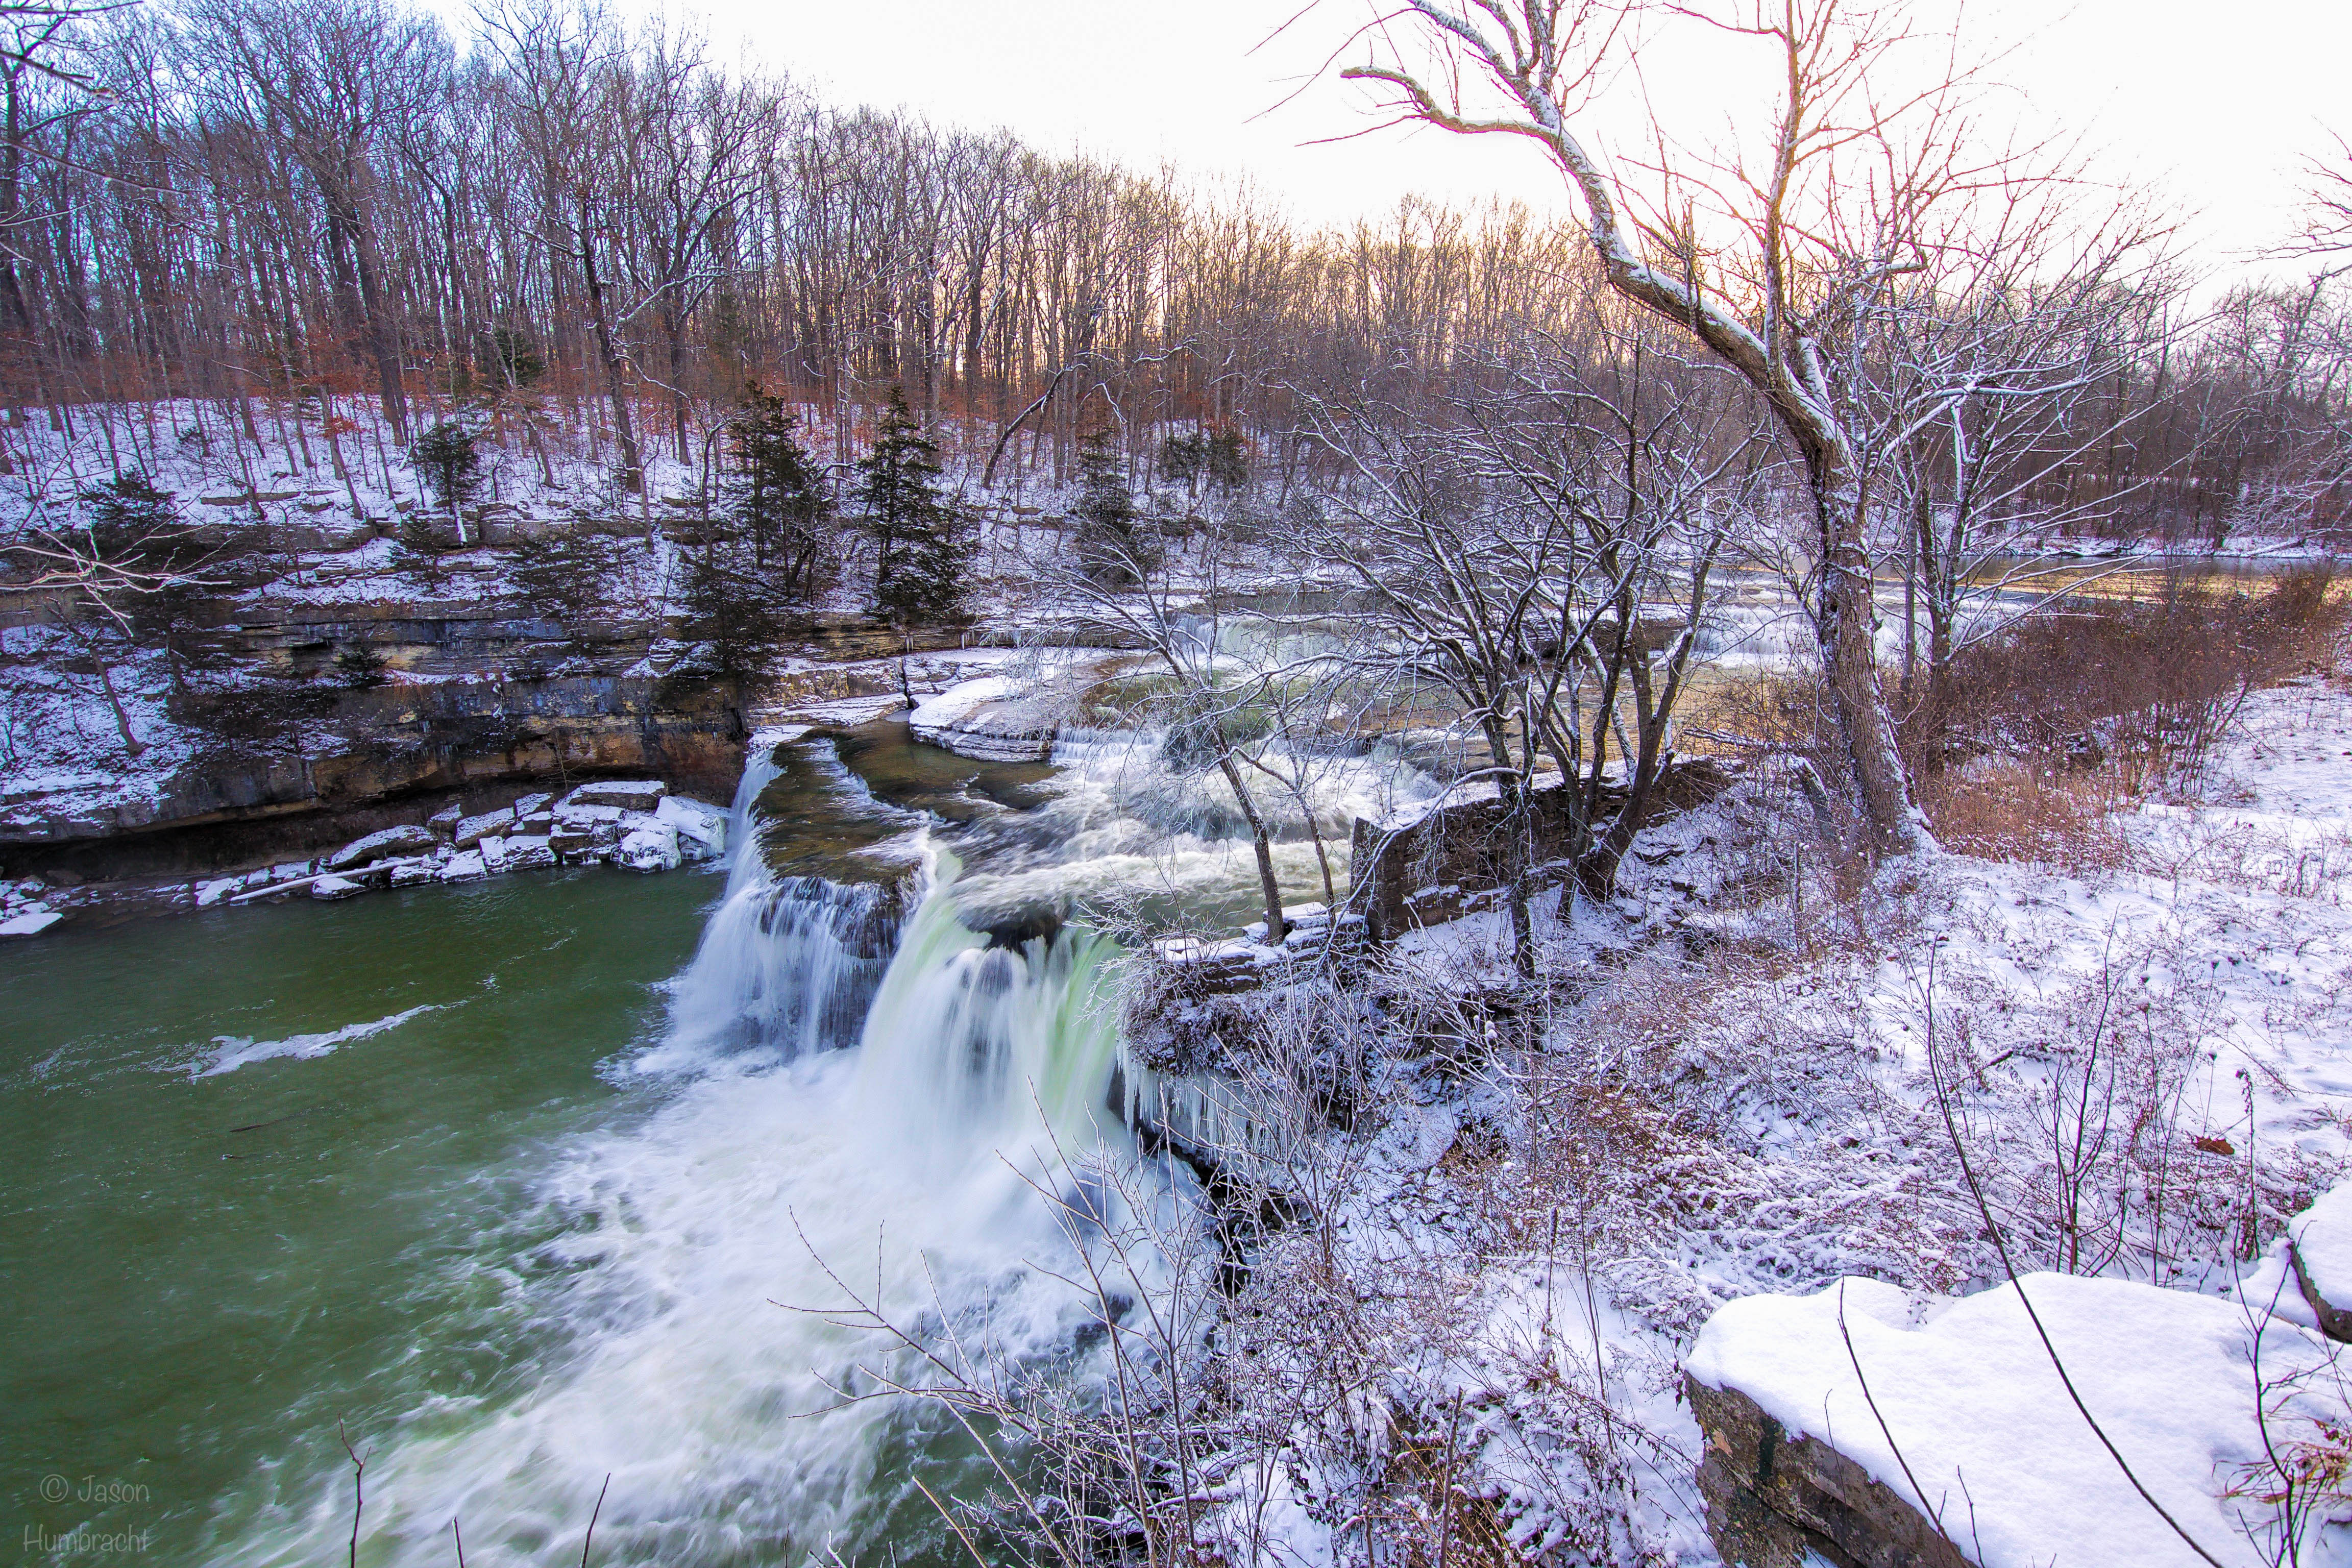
(653, 848)
(994, 719)
(30, 922)
(410, 873)
(628, 794)
(1959, 1401)
(468, 867)
(333, 888)
(445, 821)
(386, 844)
(213, 892)
(2321, 1250)
(474, 829)
(532, 806)
(524, 851)
(701, 829)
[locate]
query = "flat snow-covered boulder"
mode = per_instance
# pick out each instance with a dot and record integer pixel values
(701, 829)
(526, 850)
(995, 719)
(468, 867)
(628, 794)
(31, 922)
(653, 848)
(388, 845)
(1960, 1401)
(333, 888)
(474, 829)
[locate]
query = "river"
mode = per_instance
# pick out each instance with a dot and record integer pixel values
(516, 1185)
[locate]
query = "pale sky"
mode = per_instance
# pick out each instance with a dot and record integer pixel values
(2217, 105)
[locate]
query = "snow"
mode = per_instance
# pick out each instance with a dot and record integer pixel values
(652, 847)
(701, 828)
(1970, 1407)
(2323, 1240)
(31, 923)
(960, 701)
(470, 866)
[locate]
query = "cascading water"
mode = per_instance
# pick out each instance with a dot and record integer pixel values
(787, 965)
(899, 1165)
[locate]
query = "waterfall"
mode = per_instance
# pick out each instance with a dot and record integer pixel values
(1034, 1033)
(683, 1235)
(760, 770)
(787, 965)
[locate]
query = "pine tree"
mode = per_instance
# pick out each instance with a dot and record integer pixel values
(444, 455)
(735, 622)
(922, 540)
(777, 504)
(567, 577)
(1113, 548)
(147, 567)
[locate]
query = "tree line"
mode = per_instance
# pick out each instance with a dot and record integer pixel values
(559, 216)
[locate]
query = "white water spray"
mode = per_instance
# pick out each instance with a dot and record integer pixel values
(901, 1164)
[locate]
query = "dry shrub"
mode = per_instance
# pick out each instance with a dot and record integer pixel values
(2142, 686)
(2008, 808)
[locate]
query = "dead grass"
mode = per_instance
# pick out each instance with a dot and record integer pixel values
(2019, 809)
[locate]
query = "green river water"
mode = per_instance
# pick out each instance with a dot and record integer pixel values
(201, 1273)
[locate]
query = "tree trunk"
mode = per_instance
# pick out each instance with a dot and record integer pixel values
(623, 430)
(1268, 886)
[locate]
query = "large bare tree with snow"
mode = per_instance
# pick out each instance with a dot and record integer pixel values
(1770, 252)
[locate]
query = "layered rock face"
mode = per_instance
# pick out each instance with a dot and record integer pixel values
(478, 699)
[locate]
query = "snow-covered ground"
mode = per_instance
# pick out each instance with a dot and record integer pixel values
(2149, 1072)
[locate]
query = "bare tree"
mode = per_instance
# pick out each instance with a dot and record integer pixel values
(1538, 543)
(1796, 242)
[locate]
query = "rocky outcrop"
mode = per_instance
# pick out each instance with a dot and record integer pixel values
(993, 719)
(404, 743)
(1432, 862)
(1777, 1502)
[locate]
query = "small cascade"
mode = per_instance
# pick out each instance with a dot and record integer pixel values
(787, 965)
(761, 768)
(971, 1046)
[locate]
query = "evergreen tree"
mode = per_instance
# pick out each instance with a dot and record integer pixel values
(444, 455)
(777, 503)
(148, 569)
(922, 540)
(1113, 546)
(423, 543)
(1225, 459)
(566, 577)
(732, 617)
